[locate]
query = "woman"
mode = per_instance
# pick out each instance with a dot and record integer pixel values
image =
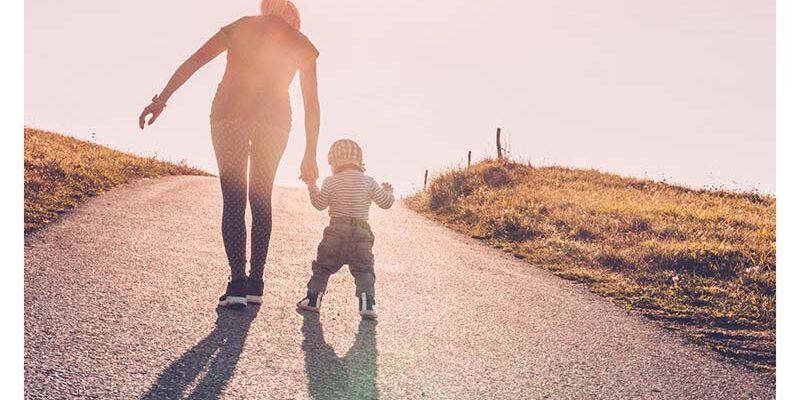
(250, 120)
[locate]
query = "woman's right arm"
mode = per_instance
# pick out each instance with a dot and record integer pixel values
(308, 85)
(210, 50)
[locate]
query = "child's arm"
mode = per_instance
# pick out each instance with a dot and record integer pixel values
(319, 198)
(382, 196)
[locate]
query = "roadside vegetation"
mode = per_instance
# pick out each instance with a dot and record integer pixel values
(61, 172)
(701, 262)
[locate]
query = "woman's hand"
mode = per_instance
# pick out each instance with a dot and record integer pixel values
(211, 49)
(308, 169)
(155, 108)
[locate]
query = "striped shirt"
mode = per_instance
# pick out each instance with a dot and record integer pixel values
(349, 194)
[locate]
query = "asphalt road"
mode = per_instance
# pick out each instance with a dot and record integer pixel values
(120, 302)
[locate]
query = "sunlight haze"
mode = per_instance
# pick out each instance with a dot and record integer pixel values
(678, 90)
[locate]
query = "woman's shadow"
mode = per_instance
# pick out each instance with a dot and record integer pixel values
(217, 354)
(331, 377)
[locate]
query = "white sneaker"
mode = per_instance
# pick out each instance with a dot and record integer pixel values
(312, 302)
(255, 291)
(235, 296)
(366, 306)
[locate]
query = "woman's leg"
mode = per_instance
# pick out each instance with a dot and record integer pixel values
(266, 150)
(232, 149)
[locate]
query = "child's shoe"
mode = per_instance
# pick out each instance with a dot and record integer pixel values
(312, 302)
(366, 306)
(255, 291)
(235, 296)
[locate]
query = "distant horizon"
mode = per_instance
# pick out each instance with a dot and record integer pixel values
(324, 171)
(681, 91)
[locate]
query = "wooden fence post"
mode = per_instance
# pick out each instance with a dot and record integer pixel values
(425, 184)
(469, 158)
(499, 148)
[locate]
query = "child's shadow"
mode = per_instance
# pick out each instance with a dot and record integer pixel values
(218, 353)
(330, 377)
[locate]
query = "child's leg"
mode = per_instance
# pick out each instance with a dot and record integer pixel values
(362, 263)
(365, 279)
(328, 261)
(320, 273)
(363, 270)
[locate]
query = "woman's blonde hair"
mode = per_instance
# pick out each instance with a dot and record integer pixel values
(284, 9)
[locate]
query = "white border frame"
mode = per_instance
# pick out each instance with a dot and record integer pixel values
(11, 123)
(788, 126)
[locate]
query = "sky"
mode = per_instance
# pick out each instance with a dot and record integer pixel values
(680, 90)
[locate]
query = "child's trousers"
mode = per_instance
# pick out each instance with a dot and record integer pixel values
(345, 241)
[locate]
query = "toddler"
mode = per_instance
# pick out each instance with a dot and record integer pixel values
(348, 239)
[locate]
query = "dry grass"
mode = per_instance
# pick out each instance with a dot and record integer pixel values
(698, 261)
(61, 172)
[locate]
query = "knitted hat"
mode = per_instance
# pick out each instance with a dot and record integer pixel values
(346, 152)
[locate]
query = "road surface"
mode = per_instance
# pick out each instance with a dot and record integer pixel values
(120, 303)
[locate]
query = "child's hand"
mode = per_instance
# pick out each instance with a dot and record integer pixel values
(387, 187)
(310, 182)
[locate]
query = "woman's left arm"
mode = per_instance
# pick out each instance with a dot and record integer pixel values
(207, 52)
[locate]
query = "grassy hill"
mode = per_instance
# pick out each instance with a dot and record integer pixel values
(698, 261)
(61, 172)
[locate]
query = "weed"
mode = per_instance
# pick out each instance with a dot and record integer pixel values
(61, 172)
(698, 261)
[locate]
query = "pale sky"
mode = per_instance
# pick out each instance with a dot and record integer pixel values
(681, 89)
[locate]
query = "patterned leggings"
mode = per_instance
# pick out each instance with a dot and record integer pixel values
(236, 142)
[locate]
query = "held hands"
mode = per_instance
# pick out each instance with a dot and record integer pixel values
(308, 169)
(155, 108)
(387, 187)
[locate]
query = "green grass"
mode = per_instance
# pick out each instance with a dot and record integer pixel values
(701, 262)
(61, 172)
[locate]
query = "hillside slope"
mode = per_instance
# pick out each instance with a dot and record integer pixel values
(61, 172)
(698, 261)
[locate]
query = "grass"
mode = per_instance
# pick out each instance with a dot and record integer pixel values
(61, 172)
(701, 262)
